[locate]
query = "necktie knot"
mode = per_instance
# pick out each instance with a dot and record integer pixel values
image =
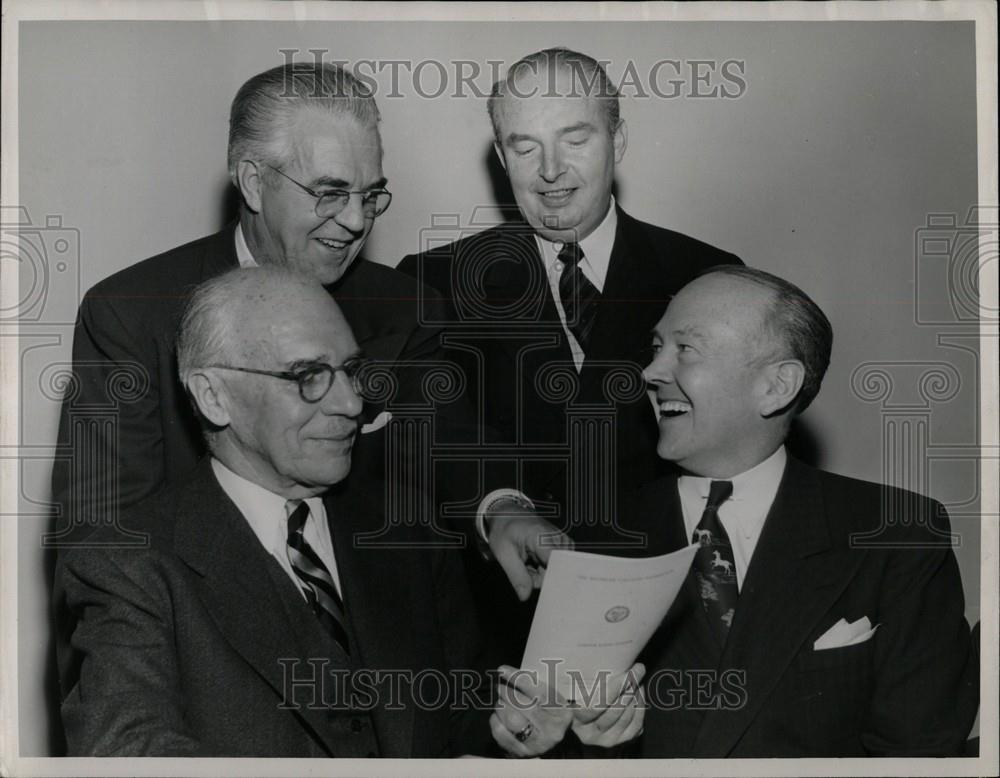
(298, 512)
(718, 493)
(570, 254)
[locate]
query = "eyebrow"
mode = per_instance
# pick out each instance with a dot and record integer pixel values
(339, 183)
(322, 359)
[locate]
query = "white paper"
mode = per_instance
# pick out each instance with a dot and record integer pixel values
(596, 613)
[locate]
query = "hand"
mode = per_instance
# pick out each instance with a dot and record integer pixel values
(521, 542)
(529, 719)
(619, 714)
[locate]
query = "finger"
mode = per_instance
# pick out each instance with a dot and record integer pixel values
(505, 739)
(508, 555)
(545, 542)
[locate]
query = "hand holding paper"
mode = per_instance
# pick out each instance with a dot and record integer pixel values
(596, 613)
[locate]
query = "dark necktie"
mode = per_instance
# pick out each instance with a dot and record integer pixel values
(714, 564)
(316, 582)
(579, 296)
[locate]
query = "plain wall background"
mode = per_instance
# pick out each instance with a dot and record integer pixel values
(848, 136)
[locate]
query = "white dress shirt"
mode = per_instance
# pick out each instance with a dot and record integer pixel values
(596, 249)
(743, 514)
(266, 515)
(243, 254)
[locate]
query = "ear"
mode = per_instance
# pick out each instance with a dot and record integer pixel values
(620, 140)
(781, 384)
(210, 395)
(250, 179)
(500, 156)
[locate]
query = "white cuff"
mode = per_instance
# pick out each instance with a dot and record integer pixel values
(495, 496)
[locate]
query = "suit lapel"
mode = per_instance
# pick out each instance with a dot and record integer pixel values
(380, 624)
(696, 638)
(794, 578)
(626, 282)
(239, 587)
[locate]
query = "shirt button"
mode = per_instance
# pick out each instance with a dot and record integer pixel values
(558, 266)
(357, 725)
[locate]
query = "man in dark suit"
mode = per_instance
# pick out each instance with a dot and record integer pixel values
(306, 156)
(547, 313)
(255, 620)
(823, 615)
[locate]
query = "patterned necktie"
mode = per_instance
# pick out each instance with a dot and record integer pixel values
(714, 565)
(579, 296)
(315, 579)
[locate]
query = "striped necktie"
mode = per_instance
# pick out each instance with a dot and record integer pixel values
(714, 564)
(579, 296)
(314, 577)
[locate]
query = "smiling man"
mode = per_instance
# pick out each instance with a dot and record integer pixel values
(305, 155)
(795, 634)
(251, 623)
(551, 310)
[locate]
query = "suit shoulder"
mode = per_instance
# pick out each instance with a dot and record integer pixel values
(897, 515)
(170, 270)
(676, 244)
(435, 267)
(388, 281)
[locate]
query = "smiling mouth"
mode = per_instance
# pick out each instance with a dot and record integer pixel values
(336, 245)
(673, 408)
(556, 195)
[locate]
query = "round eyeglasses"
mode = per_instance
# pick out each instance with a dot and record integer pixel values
(316, 378)
(330, 202)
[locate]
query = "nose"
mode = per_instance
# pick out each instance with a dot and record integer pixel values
(660, 369)
(352, 217)
(342, 400)
(551, 164)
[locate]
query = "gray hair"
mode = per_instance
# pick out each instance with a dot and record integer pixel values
(265, 105)
(803, 329)
(586, 71)
(209, 328)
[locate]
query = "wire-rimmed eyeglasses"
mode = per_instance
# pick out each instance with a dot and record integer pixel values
(330, 202)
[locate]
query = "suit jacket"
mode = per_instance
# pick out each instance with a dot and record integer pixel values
(502, 325)
(910, 690)
(127, 426)
(199, 644)
(574, 443)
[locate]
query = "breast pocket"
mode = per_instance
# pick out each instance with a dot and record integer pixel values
(828, 658)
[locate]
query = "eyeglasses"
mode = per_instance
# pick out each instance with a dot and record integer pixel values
(330, 202)
(315, 379)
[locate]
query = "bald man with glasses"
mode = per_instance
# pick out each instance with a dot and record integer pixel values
(254, 622)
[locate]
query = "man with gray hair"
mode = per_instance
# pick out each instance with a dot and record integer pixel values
(305, 155)
(256, 621)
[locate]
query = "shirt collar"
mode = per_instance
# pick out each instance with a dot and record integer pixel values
(754, 490)
(596, 247)
(243, 253)
(263, 509)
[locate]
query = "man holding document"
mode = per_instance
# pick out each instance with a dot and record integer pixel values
(822, 615)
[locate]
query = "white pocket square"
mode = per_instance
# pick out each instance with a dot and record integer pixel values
(843, 634)
(377, 423)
